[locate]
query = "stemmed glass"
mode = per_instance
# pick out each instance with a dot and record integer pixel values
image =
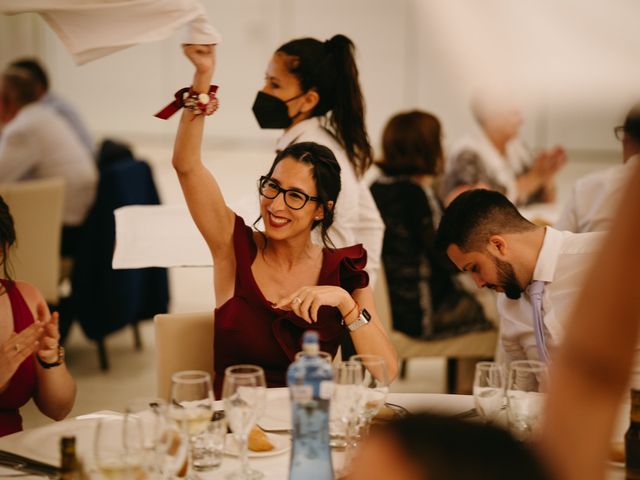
(375, 386)
(165, 445)
(244, 393)
(191, 405)
(118, 449)
(526, 387)
(488, 390)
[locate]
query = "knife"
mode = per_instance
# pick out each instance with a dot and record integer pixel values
(24, 464)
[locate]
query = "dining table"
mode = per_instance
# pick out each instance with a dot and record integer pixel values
(42, 444)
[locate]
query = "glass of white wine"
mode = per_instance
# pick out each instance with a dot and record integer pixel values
(488, 390)
(374, 387)
(191, 404)
(244, 392)
(118, 448)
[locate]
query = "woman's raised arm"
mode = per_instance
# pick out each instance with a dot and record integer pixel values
(211, 214)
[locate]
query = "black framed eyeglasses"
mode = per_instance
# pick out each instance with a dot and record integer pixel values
(619, 132)
(294, 199)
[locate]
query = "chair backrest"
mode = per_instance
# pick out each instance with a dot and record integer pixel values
(36, 207)
(184, 341)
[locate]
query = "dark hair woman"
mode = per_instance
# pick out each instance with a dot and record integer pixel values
(426, 298)
(31, 360)
(312, 91)
(271, 286)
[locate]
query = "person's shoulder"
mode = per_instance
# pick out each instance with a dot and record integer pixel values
(582, 243)
(29, 292)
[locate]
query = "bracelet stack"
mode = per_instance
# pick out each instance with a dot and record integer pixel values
(197, 103)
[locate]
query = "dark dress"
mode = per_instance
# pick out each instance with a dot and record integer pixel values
(248, 329)
(22, 385)
(426, 299)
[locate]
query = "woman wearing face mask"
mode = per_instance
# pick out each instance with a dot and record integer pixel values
(271, 286)
(312, 92)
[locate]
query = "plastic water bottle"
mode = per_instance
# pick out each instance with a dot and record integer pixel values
(310, 381)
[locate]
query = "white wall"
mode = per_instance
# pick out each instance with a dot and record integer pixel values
(403, 64)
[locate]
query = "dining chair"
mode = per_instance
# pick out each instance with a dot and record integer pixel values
(36, 208)
(469, 346)
(184, 341)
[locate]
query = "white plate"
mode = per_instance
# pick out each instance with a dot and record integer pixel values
(43, 443)
(277, 412)
(280, 443)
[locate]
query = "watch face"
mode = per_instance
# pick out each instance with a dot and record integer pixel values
(366, 314)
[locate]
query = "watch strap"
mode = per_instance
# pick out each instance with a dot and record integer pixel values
(58, 362)
(363, 318)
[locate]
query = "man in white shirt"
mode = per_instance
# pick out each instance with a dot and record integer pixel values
(595, 197)
(38, 143)
(483, 233)
(494, 156)
(57, 103)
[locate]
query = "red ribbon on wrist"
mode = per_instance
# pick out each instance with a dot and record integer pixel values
(178, 103)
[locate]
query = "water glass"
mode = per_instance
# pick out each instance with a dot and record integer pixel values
(191, 404)
(343, 415)
(374, 387)
(488, 390)
(526, 393)
(208, 446)
(244, 392)
(118, 449)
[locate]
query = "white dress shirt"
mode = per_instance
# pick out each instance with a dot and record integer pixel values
(38, 143)
(562, 264)
(71, 115)
(356, 218)
(503, 170)
(595, 197)
(91, 29)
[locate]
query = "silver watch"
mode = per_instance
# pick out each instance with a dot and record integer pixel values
(363, 319)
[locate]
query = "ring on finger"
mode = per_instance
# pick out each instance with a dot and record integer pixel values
(17, 347)
(296, 300)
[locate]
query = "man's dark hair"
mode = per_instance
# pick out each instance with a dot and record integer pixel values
(444, 447)
(35, 69)
(474, 216)
(632, 123)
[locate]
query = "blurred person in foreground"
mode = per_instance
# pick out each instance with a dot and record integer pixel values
(595, 197)
(590, 373)
(61, 106)
(429, 447)
(495, 157)
(538, 271)
(427, 299)
(37, 143)
(31, 358)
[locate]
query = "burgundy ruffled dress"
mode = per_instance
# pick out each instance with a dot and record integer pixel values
(247, 329)
(22, 385)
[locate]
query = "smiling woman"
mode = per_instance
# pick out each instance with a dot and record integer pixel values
(271, 286)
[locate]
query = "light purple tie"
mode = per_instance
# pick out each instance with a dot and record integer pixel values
(535, 290)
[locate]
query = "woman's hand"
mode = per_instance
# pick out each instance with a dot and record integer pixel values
(15, 350)
(202, 56)
(306, 301)
(48, 346)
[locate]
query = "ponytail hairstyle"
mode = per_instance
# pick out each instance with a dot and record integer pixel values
(325, 171)
(330, 68)
(7, 238)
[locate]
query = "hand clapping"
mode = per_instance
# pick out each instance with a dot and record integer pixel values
(16, 349)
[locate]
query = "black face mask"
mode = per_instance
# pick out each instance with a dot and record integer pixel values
(271, 112)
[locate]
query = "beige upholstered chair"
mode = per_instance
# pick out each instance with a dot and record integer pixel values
(184, 341)
(470, 346)
(36, 207)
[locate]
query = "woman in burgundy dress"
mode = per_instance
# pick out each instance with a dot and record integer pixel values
(271, 286)
(31, 361)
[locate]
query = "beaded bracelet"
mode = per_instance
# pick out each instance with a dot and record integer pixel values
(197, 103)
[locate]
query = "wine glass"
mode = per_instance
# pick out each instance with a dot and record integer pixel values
(343, 415)
(244, 393)
(526, 386)
(191, 405)
(375, 386)
(488, 390)
(118, 449)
